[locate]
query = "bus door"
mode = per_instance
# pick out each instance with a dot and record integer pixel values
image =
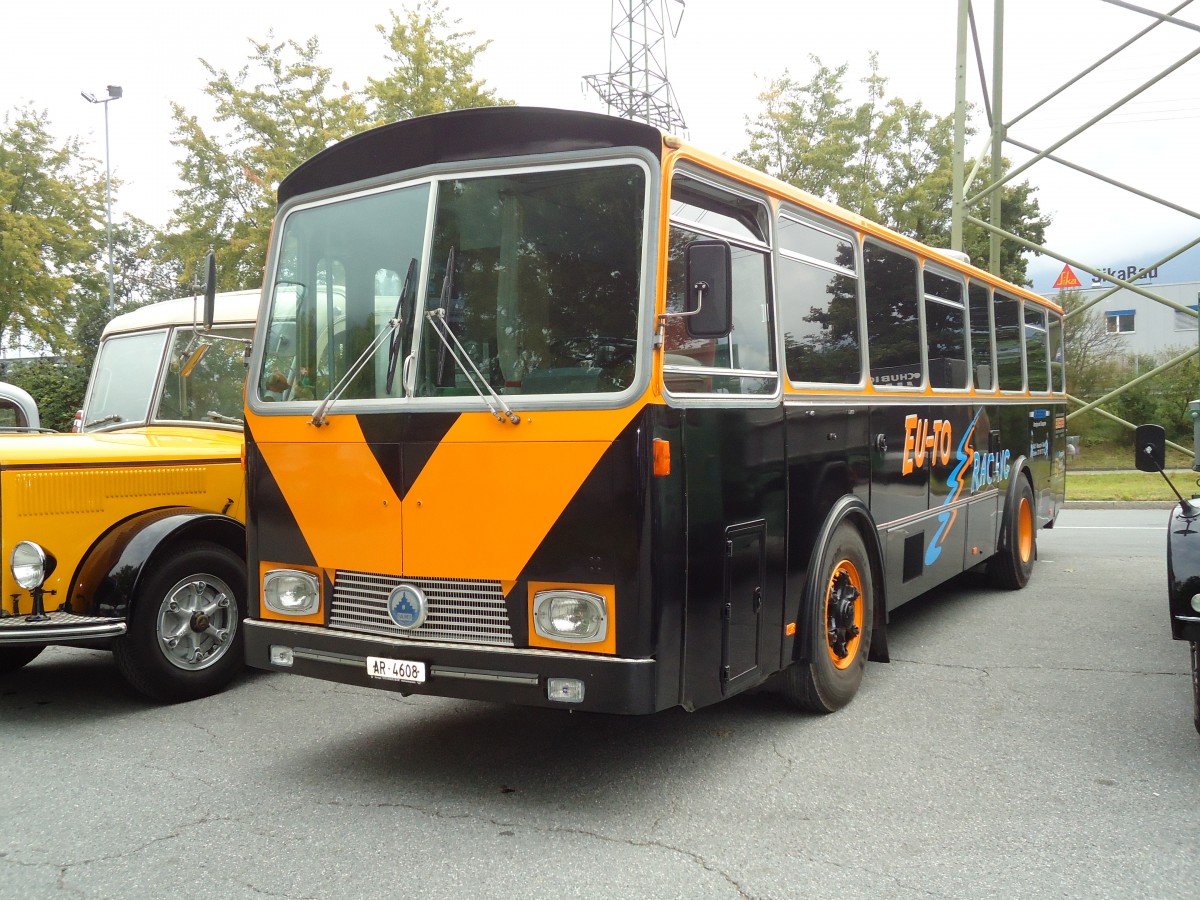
(733, 463)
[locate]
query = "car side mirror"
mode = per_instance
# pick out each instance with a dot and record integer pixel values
(708, 305)
(1150, 448)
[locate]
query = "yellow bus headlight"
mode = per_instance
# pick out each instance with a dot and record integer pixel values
(291, 593)
(571, 616)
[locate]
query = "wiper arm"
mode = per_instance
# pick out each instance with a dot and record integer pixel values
(103, 420)
(495, 403)
(398, 333)
(319, 417)
(224, 419)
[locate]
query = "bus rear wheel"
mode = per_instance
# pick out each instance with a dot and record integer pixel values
(841, 617)
(13, 658)
(1012, 565)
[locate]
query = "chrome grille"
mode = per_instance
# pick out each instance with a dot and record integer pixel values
(460, 610)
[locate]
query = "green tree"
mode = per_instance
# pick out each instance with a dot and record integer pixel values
(57, 387)
(1096, 361)
(884, 158)
(433, 67)
(51, 221)
(276, 111)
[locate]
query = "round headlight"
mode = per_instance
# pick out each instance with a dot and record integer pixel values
(31, 565)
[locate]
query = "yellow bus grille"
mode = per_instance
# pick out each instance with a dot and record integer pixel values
(460, 610)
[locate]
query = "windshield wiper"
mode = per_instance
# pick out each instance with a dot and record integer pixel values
(398, 333)
(103, 420)
(319, 417)
(224, 419)
(450, 343)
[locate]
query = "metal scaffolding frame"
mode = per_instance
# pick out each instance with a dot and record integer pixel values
(637, 86)
(999, 135)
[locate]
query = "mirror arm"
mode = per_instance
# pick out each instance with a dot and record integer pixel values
(699, 287)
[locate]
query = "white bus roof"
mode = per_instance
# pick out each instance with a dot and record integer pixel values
(232, 307)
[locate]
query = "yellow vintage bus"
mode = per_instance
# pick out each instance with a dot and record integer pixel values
(129, 535)
(552, 408)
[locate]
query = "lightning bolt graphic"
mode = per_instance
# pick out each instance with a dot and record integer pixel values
(966, 455)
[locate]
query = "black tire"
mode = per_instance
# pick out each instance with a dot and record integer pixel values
(1195, 647)
(840, 618)
(196, 598)
(13, 658)
(1012, 565)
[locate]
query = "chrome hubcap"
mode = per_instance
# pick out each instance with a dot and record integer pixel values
(196, 622)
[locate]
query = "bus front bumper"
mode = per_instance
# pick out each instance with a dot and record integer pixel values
(469, 672)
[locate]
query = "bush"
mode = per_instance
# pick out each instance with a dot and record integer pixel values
(57, 387)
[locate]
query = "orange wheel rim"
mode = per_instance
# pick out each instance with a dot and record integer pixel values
(843, 614)
(1025, 530)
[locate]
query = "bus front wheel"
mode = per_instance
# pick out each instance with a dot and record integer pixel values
(841, 615)
(1013, 563)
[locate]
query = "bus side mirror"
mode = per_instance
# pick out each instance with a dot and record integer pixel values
(1150, 448)
(708, 306)
(210, 290)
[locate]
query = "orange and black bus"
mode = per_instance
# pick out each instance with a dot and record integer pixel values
(551, 408)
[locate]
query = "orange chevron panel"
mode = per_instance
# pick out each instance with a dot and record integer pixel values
(342, 501)
(491, 492)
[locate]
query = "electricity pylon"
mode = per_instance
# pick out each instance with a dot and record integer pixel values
(636, 87)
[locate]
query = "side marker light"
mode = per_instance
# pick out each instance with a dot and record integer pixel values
(662, 457)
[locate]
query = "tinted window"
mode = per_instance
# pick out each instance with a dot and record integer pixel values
(945, 331)
(818, 311)
(717, 210)
(981, 338)
(805, 240)
(1057, 356)
(893, 324)
(1007, 312)
(747, 347)
(1035, 348)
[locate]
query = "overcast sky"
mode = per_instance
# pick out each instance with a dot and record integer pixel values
(721, 59)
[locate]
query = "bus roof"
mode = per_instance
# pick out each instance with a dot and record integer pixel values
(232, 306)
(462, 135)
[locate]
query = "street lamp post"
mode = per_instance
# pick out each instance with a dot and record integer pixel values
(114, 93)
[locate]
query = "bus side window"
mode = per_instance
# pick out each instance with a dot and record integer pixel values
(818, 304)
(893, 284)
(945, 331)
(983, 350)
(1035, 348)
(1009, 355)
(1057, 356)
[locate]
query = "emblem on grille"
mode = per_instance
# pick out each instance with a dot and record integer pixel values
(407, 606)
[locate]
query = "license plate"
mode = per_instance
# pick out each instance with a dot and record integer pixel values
(396, 669)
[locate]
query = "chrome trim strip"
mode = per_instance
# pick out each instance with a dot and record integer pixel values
(35, 635)
(417, 647)
(1187, 618)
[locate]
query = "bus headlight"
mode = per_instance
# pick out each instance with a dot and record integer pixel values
(572, 616)
(31, 565)
(291, 593)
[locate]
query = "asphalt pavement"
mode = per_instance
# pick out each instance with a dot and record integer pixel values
(1028, 744)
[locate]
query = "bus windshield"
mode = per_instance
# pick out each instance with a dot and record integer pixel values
(532, 285)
